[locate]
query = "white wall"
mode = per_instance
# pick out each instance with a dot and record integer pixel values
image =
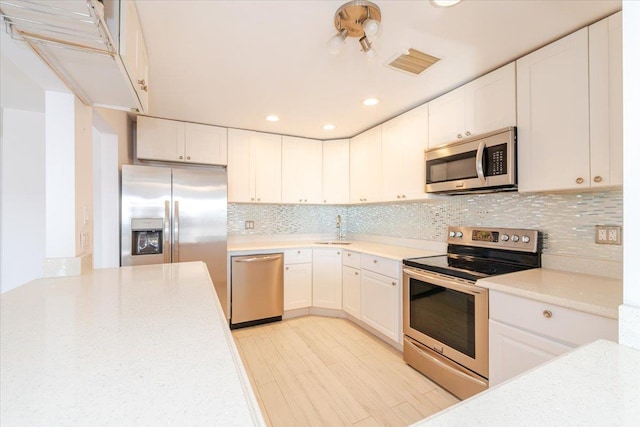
(22, 224)
(630, 311)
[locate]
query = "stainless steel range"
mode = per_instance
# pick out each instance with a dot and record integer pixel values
(446, 316)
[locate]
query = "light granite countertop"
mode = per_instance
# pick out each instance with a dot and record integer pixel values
(594, 385)
(583, 292)
(146, 345)
(394, 252)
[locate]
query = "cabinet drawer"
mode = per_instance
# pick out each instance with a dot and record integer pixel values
(297, 256)
(351, 259)
(380, 265)
(564, 324)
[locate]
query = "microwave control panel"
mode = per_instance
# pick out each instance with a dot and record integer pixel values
(496, 156)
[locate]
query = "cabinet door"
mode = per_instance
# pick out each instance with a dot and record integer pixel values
(365, 182)
(301, 170)
(327, 278)
(159, 139)
(335, 171)
(605, 93)
(297, 286)
(446, 118)
(133, 51)
(267, 163)
(490, 101)
(553, 116)
(351, 291)
(205, 144)
(513, 351)
(404, 140)
(240, 177)
(380, 303)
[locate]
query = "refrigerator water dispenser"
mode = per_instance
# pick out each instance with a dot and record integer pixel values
(146, 234)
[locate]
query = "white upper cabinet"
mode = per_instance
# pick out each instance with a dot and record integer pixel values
(335, 171)
(301, 170)
(133, 51)
(483, 105)
(605, 96)
(254, 168)
(365, 181)
(569, 111)
(404, 140)
(173, 141)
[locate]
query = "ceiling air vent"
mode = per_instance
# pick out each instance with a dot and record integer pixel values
(413, 61)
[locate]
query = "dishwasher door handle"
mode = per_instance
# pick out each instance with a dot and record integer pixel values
(257, 259)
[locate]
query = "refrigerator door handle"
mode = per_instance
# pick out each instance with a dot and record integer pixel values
(166, 243)
(176, 231)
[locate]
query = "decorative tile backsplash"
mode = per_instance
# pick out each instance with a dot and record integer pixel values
(567, 219)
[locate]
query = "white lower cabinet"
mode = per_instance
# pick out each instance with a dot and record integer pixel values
(298, 278)
(380, 295)
(351, 291)
(524, 333)
(327, 278)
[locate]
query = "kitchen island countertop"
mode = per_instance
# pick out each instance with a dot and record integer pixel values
(594, 385)
(145, 345)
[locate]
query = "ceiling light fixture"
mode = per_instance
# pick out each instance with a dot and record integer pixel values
(358, 18)
(328, 126)
(273, 118)
(444, 3)
(370, 102)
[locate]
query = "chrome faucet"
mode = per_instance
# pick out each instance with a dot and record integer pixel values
(341, 235)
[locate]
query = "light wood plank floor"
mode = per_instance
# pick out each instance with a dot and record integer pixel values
(323, 371)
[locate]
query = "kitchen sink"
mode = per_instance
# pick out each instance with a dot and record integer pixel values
(334, 242)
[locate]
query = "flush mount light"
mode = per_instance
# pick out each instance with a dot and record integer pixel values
(369, 102)
(360, 19)
(444, 3)
(328, 126)
(273, 118)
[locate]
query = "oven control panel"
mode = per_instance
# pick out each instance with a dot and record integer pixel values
(516, 239)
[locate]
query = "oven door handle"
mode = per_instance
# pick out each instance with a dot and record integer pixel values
(445, 282)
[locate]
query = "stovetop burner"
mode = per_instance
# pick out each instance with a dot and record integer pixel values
(474, 253)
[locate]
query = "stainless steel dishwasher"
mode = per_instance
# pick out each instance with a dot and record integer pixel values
(257, 289)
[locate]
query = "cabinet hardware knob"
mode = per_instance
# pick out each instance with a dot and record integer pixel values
(338, 253)
(579, 180)
(467, 133)
(597, 179)
(404, 197)
(547, 314)
(365, 199)
(258, 198)
(305, 200)
(398, 196)
(375, 261)
(252, 199)
(393, 283)
(349, 254)
(300, 200)
(357, 273)
(459, 135)
(286, 268)
(143, 85)
(180, 157)
(325, 201)
(298, 251)
(188, 157)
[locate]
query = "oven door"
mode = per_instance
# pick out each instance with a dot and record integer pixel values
(448, 315)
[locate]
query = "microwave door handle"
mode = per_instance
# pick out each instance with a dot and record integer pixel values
(479, 156)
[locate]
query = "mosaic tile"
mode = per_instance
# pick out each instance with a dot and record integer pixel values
(567, 220)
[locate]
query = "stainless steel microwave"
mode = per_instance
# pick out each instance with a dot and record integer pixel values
(483, 163)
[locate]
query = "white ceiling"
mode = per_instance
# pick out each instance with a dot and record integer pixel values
(232, 63)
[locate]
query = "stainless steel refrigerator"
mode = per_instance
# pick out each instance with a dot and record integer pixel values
(176, 215)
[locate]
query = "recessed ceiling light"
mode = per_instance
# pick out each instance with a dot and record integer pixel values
(328, 126)
(445, 3)
(370, 101)
(273, 118)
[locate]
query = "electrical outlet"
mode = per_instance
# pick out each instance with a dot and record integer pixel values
(248, 225)
(608, 235)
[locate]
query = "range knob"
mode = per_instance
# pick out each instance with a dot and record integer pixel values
(452, 234)
(505, 237)
(458, 234)
(526, 239)
(515, 238)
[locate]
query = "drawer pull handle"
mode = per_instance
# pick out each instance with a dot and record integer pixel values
(375, 261)
(547, 314)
